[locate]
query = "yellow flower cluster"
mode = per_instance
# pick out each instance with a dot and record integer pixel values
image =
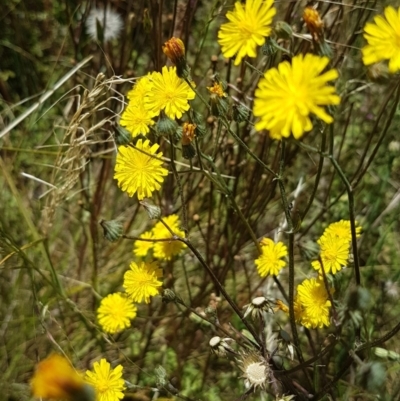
(335, 247)
(153, 93)
(138, 168)
(142, 280)
(165, 250)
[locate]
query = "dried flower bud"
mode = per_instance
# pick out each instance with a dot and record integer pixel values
(220, 346)
(112, 229)
(257, 307)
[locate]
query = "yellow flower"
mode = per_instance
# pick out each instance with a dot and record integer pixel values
(334, 253)
(141, 248)
(108, 383)
(168, 249)
(288, 94)
(342, 229)
(137, 171)
(270, 261)
(141, 282)
(169, 93)
(217, 89)
(247, 28)
(383, 37)
(140, 90)
(136, 119)
(55, 378)
(115, 313)
(312, 296)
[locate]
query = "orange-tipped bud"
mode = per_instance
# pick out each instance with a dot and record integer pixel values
(174, 49)
(313, 21)
(188, 133)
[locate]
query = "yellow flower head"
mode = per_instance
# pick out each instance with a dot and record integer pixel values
(169, 93)
(247, 28)
(136, 119)
(217, 89)
(139, 172)
(108, 383)
(55, 378)
(167, 249)
(270, 261)
(342, 229)
(383, 37)
(334, 253)
(312, 296)
(141, 281)
(141, 248)
(140, 90)
(115, 313)
(287, 95)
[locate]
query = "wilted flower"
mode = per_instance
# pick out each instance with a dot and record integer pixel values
(257, 307)
(220, 346)
(255, 370)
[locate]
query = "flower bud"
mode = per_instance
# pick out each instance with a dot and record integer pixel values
(174, 49)
(122, 135)
(112, 229)
(240, 113)
(153, 211)
(166, 126)
(313, 21)
(283, 30)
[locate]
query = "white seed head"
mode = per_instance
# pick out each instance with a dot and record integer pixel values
(110, 21)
